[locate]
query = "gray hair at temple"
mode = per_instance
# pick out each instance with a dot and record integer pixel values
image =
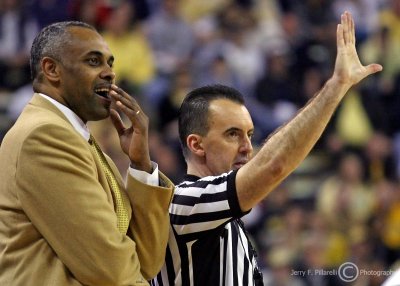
(50, 42)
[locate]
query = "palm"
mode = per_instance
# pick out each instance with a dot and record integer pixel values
(348, 68)
(133, 139)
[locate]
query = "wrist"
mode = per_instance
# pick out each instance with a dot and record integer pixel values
(146, 167)
(338, 84)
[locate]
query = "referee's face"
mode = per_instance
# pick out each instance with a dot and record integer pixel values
(227, 145)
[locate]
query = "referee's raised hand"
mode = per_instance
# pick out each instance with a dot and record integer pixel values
(291, 143)
(348, 68)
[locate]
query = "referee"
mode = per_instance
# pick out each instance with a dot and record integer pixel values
(207, 242)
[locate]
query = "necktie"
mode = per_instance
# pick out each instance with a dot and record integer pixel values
(120, 208)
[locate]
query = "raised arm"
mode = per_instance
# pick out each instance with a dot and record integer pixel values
(291, 143)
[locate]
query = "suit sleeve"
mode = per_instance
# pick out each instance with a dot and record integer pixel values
(59, 189)
(150, 222)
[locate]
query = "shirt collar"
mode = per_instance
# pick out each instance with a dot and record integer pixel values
(74, 119)
(190, 178)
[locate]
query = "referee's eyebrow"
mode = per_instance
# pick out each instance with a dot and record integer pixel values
(232, 129)
(251, 131)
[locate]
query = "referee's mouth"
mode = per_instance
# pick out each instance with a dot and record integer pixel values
(239, 164)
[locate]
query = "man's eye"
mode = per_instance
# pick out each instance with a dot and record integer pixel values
(233, 134)
(93, 61)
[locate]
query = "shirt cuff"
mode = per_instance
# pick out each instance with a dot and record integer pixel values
(144, 177)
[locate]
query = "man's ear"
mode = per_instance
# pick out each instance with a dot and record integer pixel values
(51, 69)
(195, 145)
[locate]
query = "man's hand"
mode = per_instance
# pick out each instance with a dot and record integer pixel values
(348, 68)
(133, 140)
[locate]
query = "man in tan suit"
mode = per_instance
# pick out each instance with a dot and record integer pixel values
(66, 217)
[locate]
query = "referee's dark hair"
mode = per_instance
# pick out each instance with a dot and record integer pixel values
(193, 113)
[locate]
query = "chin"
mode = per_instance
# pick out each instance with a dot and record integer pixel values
(99, 116)
(237, 167)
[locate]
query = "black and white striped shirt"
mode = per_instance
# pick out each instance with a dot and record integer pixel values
(207, 242)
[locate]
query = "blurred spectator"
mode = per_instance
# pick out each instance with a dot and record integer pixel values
(172, 41)
(312, 260)
(382, 47)
(19, 98)
(93, 12)
(281, 267)
(344, 198)
(168, 109)
(142, 9)
(218, 72)
(193, 10)
(167, 120)
(277, 89)
(17, 31)
(353, 126)
(335, 247)
(208, 63)
(167, 158)
(379, 161)
(390, 20)
(50, 11)
(363, 254)
(310, 27)
(243, 57)
(310, 82)
(269, 33)
(284, 229)
(390, 230)
(134, 64)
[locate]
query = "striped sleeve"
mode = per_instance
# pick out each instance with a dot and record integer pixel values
(205, 204)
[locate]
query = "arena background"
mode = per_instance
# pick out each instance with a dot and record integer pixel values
(340, 210)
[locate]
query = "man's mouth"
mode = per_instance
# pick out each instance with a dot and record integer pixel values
(239, 164)
(103, 92)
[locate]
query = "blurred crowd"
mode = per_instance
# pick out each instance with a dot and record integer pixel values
(343, 203)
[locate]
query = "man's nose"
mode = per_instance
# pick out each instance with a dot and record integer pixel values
(108, 74)
(246, 145)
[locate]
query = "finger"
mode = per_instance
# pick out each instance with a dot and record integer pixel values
(118, 94)
(117, 97)
(132, 114)
(117, 122)
(373, 68)
(339, 36)
(352, 29)
(121, 94)
(346, 29)
(128, 106)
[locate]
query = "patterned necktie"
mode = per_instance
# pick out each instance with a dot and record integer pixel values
(122, 213)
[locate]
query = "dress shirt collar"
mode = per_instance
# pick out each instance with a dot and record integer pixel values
(74, 119)
(81, 128)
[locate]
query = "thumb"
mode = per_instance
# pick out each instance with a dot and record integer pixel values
(373, 68)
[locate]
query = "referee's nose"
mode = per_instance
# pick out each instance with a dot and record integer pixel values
(246, 146)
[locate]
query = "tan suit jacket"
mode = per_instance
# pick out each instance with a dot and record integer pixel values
(57, 220)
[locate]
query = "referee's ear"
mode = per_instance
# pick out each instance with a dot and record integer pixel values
(195, 145)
